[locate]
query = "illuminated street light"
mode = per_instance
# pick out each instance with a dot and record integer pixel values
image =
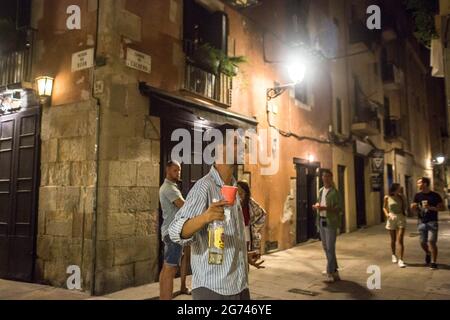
(440, 160)
(297, 72)
(45, 89)
(45, 86)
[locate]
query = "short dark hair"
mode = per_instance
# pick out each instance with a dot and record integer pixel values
(326, 171)
(393, 188)
(426, 181)
(172, 163)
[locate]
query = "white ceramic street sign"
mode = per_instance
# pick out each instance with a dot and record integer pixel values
(83, 60)
(139, 61)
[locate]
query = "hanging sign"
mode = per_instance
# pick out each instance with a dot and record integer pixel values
(376, 181)
(378, 162)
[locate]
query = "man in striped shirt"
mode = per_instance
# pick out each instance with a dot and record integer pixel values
(228, 281)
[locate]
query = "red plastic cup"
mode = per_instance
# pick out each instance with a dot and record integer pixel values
(229, 194)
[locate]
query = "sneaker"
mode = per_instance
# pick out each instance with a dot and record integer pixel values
(401, 264)
(394, 259)
(330, 279)
(428, 259)
(433, 266)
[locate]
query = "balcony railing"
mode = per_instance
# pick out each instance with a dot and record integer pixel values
(366, 122)
(16, 66)
(198, 80)
(208, 85)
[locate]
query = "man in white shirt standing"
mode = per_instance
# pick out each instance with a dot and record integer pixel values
(328, 221)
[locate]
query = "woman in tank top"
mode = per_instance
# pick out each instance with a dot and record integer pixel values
(394, 210)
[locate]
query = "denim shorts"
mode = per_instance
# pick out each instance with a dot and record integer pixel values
(428, 232)
(172, 252)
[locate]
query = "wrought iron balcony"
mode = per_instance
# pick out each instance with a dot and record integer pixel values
(366, 122)
(16, 66)
(208, 85)
(201, 81)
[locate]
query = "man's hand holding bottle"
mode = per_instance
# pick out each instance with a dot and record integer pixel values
(215, 212)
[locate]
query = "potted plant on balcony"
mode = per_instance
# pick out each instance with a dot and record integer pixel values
(216, 61)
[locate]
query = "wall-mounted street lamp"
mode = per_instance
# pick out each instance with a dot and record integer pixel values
(440, 160)
(296, 71)
(45, 88)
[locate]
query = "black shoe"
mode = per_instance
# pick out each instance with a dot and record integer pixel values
(433, 266)
(428, 259)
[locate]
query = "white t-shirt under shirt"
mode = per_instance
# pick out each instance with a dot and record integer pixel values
(323, 202)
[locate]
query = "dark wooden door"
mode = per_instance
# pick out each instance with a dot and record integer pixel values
(306, 197)
(19, 175)
(302, 204)
(361, 220)
(341, 187)
(311, 179)
(190, 173)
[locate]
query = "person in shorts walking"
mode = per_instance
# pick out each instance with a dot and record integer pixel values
(394, 210)
(427, 205)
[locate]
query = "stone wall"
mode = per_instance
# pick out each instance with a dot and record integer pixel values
(67, 192)
(127, 246)
(127, 227)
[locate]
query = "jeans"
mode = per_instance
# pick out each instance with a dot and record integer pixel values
(172, 252)
(429, 232)
(328, 237)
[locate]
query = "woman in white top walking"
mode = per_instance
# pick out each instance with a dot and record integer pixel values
(394, 210)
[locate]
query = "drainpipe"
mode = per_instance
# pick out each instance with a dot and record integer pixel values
(97, 163)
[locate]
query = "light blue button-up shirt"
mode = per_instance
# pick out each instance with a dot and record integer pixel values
(230, 278)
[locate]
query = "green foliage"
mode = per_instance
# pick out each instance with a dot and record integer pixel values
(216, 61)
(423, 12)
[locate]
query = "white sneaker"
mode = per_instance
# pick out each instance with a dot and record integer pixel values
(401, 264)
(330, 279)
(394, 259)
